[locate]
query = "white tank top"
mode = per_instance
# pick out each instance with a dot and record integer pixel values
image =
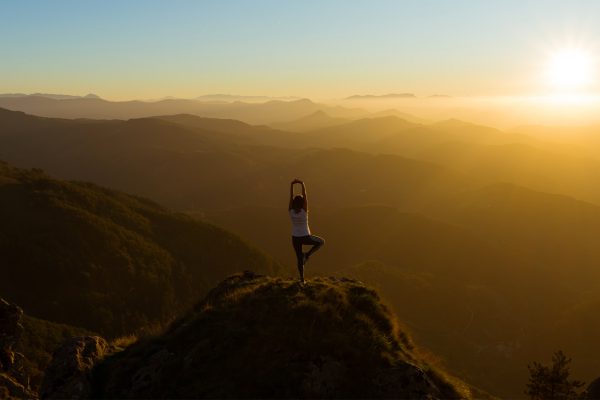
(299, 223)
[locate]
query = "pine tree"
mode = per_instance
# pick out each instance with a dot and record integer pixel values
(552, 382)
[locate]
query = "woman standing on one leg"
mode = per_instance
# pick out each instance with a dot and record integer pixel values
(298, 209)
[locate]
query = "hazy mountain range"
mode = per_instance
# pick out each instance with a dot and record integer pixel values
(49, 96)
(483, 241)
(382, 96)
(250, 112)
(249, 99)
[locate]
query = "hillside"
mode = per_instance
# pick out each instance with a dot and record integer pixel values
(386, 234)
(331, 339)
(318, 119)
(478, 151)
(192, 163)
(359, 132)
(104, 260)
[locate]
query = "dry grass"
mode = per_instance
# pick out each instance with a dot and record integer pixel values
(123, 342)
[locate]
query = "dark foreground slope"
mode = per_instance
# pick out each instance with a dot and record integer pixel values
(26, 348)
(91, 257)
(40, 339)
(260, 337)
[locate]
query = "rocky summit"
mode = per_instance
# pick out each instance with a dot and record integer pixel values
(255, 336)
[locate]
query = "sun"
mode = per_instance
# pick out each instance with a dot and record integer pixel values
(570, 69)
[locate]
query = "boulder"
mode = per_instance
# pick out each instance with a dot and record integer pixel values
(68, 375)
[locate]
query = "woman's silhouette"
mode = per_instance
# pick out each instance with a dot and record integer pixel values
(298, 209)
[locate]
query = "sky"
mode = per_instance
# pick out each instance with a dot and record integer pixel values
(319, 49)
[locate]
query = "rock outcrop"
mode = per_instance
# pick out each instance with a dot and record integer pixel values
(13, 380)
(10, 333)
(69, 373)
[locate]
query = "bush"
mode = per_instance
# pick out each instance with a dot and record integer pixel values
(552, 382)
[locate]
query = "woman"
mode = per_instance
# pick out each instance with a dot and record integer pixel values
(298, 209)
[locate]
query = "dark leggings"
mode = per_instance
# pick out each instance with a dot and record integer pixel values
(310, 240)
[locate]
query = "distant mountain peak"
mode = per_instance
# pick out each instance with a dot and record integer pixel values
(314, 120)
(382, 96)
(319, 113)
(91, 96)
(303, 100)
(232, 98)
(453, 122)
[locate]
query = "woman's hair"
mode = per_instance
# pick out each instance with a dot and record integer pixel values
(298, 202)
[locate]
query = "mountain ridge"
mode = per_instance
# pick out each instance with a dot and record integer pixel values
(96, 108)
(315, 120)
(50, 96)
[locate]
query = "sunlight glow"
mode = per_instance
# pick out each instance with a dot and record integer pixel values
(571, 69)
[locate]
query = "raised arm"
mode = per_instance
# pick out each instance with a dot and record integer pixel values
(292, 193)
(305, 205)
(304, 195)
